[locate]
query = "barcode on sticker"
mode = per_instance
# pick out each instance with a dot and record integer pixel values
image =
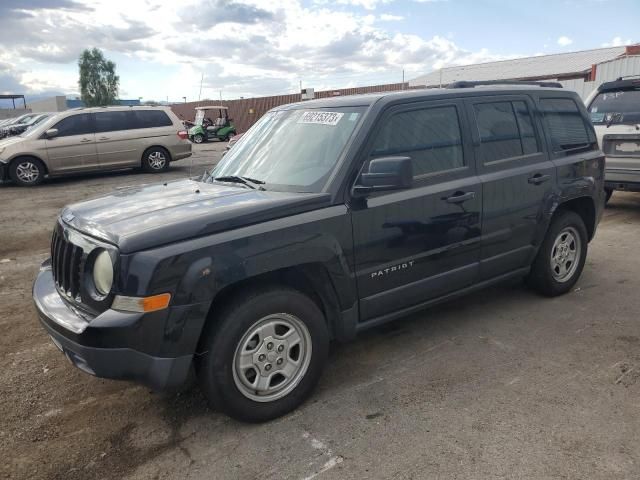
(321, 118)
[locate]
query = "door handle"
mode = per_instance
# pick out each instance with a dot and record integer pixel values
(538, 178)
(85, 140)
(103, 138)
(460, 197)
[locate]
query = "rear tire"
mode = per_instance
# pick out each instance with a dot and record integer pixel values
(607, 192)
(155, 160)
(561, 257)
(265, 354)
(27, 171)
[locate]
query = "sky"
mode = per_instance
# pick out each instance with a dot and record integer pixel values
(165, 50)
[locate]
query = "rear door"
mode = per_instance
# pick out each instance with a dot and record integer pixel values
(116, 141)
(415, 245)
(517, 177)
(74, 148)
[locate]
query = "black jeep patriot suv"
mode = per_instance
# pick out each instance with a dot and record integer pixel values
(327, 218)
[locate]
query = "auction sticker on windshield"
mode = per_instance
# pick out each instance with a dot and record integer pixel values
(321, 118)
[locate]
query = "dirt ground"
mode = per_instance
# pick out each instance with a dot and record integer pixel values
(502, 384)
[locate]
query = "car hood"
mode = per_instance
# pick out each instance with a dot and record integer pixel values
(148, 216)
(5, 142)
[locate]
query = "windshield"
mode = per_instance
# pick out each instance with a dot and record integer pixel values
(291, 150)
(622, 106)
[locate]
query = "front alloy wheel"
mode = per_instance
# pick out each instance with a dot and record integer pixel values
(26, 172)
(272, 357)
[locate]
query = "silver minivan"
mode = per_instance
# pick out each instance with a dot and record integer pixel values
(95, 139)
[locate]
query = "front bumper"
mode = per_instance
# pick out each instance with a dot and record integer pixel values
(4, 171)
(116, 344)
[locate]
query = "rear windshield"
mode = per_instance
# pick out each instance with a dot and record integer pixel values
(620, 106)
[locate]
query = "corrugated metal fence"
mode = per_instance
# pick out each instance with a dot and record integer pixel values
(245, 112)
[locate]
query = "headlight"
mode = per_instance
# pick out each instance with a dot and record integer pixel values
(103, 273)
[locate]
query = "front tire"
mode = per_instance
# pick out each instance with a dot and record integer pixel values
(155, 160)
(265, 355)
(27, 172)
(198, 138)
(561, 257)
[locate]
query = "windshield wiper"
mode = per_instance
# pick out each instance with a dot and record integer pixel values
(612, 118)
(249, 182)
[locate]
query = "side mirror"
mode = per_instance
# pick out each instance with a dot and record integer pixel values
(386, 173)
(52, 132)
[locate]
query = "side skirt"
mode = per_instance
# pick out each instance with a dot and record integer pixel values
(374, 322)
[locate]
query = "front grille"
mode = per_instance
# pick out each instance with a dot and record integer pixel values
(66, 260)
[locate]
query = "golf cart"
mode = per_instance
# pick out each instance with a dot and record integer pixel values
(205, 129)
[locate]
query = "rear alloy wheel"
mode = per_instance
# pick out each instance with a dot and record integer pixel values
(561, 257)
(264, 354)
(155, 160)
(27, 172)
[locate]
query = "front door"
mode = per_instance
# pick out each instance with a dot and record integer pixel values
(74, 147)
(517, 177)
(415, 245)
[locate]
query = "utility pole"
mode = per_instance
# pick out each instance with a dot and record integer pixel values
(220, 95)
(403, 79)
(201, 79)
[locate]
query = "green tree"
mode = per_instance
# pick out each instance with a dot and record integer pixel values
(98, 80)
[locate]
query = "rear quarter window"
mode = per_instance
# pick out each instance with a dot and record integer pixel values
(150, 119)
(568, 130)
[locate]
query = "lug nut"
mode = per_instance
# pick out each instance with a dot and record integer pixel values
(261, 357)
(267, 367)
(279, 361)
(269, 346)
(280, 348)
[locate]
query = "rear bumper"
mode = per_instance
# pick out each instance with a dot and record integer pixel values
(622, 179)
(183, 150)
(116, 344)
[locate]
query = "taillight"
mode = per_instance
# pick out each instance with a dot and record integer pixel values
(183, 134)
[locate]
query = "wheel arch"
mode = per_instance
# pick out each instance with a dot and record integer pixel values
(311, 279)
(29, 155)
(586, 208)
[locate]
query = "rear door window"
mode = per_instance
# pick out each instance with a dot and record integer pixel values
(150, 119)
(505, 130)
(567, 128)
(430, 136)
(112, 121)
(80, 124)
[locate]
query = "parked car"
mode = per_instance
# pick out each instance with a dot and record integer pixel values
(330, 217)
(22, 119)
(95, 139)
(615, 111)
(11, 129)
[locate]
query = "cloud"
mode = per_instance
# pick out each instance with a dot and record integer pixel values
(212, 12)
(617, 42)
(386, 17)
(564, 41)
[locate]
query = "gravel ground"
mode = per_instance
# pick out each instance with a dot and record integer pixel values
(501, 384)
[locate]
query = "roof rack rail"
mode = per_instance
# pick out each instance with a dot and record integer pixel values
(471, 84)
(619, 79)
